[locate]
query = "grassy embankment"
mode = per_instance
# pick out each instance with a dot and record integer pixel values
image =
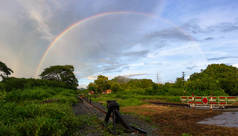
(40, 111)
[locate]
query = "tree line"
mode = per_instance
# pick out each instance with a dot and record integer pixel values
(216, 79)
(53, 76)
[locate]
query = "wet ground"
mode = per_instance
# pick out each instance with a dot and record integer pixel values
(227, 119)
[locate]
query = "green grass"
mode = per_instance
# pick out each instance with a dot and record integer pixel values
(40, 111)
(128, 99)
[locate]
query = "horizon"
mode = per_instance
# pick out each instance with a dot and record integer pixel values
(118, 38)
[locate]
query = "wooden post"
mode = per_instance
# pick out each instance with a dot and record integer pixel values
(193, 100)
(211, 102)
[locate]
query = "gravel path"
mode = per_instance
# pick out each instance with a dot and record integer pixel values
(82, 108)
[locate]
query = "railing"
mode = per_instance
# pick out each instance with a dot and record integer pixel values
(211, 101)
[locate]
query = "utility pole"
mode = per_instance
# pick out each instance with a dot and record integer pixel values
(183, 75)
(157, 77)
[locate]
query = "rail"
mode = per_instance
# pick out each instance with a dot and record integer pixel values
(116, 116)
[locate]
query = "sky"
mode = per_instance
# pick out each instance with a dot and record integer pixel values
(153, 39)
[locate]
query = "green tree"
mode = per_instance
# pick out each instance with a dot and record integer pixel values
(102, 83)
(92, 87)
(4, 70)
(61, 73)
(215, 77)
(140, 83)
(115, 87)
(179, 83)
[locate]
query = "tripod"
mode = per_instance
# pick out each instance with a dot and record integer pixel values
(113, 108)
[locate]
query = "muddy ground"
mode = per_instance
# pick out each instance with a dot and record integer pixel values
(163, 120)
(176, 121)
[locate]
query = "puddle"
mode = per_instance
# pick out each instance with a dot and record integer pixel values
(227, 119)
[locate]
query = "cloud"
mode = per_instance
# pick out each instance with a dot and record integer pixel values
(191, 67)
(235, 65)
(134, 74)
(116, 44)
(40, 11)
(222, 58)
(208, 38)
(137, 53)
(169, 34)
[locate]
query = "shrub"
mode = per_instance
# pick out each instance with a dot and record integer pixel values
(10, 84)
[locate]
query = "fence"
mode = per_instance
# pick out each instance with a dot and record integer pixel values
(209, 101)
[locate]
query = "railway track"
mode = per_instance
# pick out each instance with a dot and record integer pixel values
(138, 131)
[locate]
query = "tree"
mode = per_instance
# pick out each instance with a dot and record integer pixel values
(115, 87)
(92, 87)
(4, 70)
(179, 83)
(102, 83)
(215, 77)
(140, 83)
(61, 73)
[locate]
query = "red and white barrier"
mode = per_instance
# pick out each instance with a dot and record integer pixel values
(211, 101)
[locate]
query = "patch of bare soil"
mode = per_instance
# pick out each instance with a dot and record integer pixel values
(174, 121)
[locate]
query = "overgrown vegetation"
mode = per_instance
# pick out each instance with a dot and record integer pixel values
(38, 107)
(216, 80)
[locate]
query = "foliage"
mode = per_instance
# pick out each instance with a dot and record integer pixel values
(215, 77)
(100, 84)
(4, 70)
(61, 73)
(140, 83)
(115, 87)
(39, 111)
(92, 87)
(9, 84)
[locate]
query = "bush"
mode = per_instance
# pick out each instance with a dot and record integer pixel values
(39, 111)
(10, 84)
(176, 91)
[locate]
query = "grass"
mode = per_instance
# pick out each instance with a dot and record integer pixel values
(40, 111)
(134, 99)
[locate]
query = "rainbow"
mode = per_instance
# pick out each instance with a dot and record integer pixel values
(68, 29)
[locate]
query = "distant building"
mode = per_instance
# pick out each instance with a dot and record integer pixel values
(108, 91)
(90, 92)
